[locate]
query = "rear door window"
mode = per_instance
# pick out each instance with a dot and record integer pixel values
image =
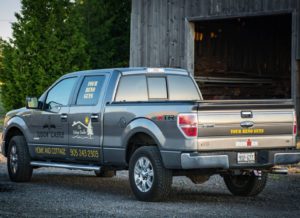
(132, 88)
(90, 90)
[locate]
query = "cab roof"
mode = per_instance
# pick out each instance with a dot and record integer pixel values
(131, 71)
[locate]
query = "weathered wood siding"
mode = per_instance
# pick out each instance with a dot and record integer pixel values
(160, 29)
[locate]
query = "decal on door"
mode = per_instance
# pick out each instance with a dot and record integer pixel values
(48, 133)
(83, 130)
(84, 153)
(45, 150)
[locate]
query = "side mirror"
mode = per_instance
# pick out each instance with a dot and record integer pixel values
(32, 103)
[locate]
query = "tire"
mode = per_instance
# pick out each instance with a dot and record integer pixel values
(104, 173)
(246, 185)
(18, 160)
(146, 167)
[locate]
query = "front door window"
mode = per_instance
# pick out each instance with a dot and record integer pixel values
(59, 95)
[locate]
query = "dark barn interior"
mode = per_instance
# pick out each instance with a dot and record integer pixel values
(244, 58)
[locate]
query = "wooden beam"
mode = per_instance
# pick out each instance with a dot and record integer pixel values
(231, 80)
(189, 48)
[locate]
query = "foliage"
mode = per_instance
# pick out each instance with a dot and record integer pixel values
(106, 27)
(46, 44)
(2, 44)
(54, 37)
(8, 80)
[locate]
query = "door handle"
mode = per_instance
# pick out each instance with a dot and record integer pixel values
(64, 116)
(94, 117)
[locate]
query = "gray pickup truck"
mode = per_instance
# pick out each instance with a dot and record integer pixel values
(153, 122)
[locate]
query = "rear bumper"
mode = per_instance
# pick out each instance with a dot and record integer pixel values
(286, 158)
(189, 161)
(228, 160)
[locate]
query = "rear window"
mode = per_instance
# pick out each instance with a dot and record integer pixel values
(172, 87)
(182, 88)
(132, 88)
(157, 87)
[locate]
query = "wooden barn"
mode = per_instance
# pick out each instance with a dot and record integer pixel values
(236, 49)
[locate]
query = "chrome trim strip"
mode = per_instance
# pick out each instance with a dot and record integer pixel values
(168, 151)
(113, 148)
(64, 165)
(166, 72)
(201, 162)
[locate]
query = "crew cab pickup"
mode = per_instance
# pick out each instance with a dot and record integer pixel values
(153, 122)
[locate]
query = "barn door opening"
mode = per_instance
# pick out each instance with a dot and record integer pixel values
(244, 58)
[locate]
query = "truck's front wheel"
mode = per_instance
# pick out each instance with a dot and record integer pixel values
(246, 185)
(149, 180)
(18, 160)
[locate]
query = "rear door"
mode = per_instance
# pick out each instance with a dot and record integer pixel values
(85, 119)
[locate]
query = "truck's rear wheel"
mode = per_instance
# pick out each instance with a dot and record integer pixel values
(18, 160)
(149, 180)
(246, 185)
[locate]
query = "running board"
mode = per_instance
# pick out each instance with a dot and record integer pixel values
(64, 165)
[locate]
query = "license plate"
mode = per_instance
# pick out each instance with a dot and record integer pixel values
(246, 157)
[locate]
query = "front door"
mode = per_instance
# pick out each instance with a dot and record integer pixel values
(85, 122)
(50, 125)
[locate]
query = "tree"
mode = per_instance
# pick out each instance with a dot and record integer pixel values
(53, 37)
(8, 80)
(47, 43)
(106, 26)
(2, 44)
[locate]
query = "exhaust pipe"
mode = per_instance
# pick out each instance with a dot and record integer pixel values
(277, 170)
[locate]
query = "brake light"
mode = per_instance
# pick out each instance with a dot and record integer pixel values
(295, 124)
(188, 124)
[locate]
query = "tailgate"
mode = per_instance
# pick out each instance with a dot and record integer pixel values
(238, 125)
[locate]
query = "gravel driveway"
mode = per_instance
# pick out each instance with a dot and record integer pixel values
(66, 193)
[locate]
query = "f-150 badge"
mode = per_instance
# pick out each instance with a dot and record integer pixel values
(81, 130)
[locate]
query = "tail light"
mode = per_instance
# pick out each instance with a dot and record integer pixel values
(188, 124)
(295, 124)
